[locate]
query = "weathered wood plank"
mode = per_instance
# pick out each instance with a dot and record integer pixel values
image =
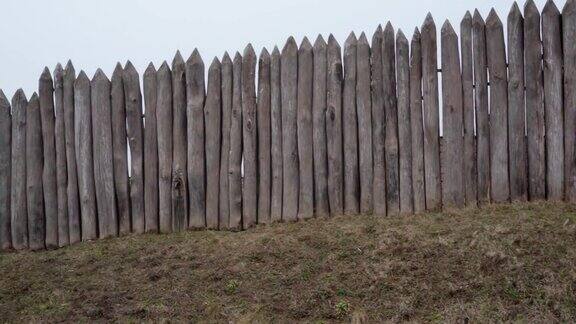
(431, 115)
(213, 118)
(534, 103)
(516, 104)
(350, 128)
(289, 93)
(470, 171)
(264, 140)
(481, 106)
(452, 116)
(164, 127)
(249, 139)
(363, 109)
(133, 97)
(334, 127)
(103, 155)
(179, 153)
(404, 128)
(120, 150)
(18, 200)
(391, 120)
(195, 97)
(305, 136)
(321, 205)
(378, 127)
(226, 89)
(61, 173)
(496, 58)
(276, 137)
(553, 100)
(34, 161)
(418, 188)
(569, 58)
(235, 175)
(72, 190)
(150, 86)
(83, 136)
(5, 172)
(49, 189)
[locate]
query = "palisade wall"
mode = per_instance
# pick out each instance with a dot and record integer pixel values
(305, 131)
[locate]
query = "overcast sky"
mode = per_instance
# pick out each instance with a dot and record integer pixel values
(38, 33)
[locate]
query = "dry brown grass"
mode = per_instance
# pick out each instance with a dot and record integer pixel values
(500, 263)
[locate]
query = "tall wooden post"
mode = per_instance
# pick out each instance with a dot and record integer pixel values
(179, 129)
(234, 171)
(416, 123)
(164, 124)
(569, 57)
(18, 201)
(34, 162)
(249, 138)
(276, 137)
(264, 138)
(350, 128)
(378, 126)
(150, 150)
(226, 89)
(60, 142)
(213, 117)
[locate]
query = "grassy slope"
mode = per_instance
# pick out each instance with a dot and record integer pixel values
(511, 262)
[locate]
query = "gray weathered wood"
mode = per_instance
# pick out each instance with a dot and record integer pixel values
(5, 172)
(213, 118)
(72, 190)
(553, 100)
(49, 188)
(226, 89)
(481, 106)
(34, 161)
(305, 136)
(179, 145)
(150, 86)
(83, 137)
(350, 128)
(404, 128)
(289, 93)
(234, 169)
(334, 127)
(164, 127)
(431, 115)
(120, 150)
(103, 155)
(452, 117)
(195, 96)
(391, 120)
(363, 109)
(18, 201)
(133, 98)
(496, 58)
(321, 205)
(569, 57)
(516, 104)
(378, 127)
(534, 103)
(276, 137)
(470, 172)
(249, 139)
(418, 188)
(264, 140)
(61, 173)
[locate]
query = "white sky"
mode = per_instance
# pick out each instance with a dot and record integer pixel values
(99, 33)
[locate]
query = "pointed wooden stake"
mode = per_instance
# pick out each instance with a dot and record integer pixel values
(350, 128)
(321, 205)
(213, 116)
(226, 89)
(276, 137)
(18, 200)
(378, 127)
(249, 138)
(264, 138)
(235, 175)
(34, 158)
(60, 142)
(164, 124)
(416, 123)
(150, 150)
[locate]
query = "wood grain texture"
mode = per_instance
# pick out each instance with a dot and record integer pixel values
(213, 118)
(264, 138)
(249, 139)
(164, 124)
(18, 200)
(49, 187)
(5, 172)
(120, 150)
(418, 187)
(321, 205)
(289, 93)
(305, 130)
(226, 89)
(276, 137)
(150, 87)
(378, 126)
(235, 167)
(553, 101)
(34, 170)
(60, 142)
(350, 128)
(84, 157)
(196, 158)
(569, 58)
(103, 155)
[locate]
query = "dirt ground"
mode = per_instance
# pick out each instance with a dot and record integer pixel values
(499, 263)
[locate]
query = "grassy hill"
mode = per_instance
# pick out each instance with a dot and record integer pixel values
(508, 262)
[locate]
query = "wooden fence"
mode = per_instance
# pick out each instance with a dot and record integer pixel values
(318, 134)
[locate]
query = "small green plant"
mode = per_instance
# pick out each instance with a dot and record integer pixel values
(342, 308)
(232, 286)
